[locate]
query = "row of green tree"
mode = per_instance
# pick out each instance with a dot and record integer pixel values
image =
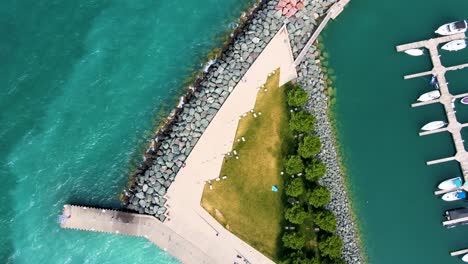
(306, 198)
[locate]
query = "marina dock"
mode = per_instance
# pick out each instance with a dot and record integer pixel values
(447, 100)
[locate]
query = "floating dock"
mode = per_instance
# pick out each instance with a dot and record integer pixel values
(447, 100)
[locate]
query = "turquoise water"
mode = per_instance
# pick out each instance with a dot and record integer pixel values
(392, 188)
(80, 85)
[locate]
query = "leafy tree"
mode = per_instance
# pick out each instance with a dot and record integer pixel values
(297, 97)
(318, 197)
(331, 247)
(301, 122)
(305, 260)
(315, 170)
(325, 220)
(296, 214)
(309, 146)
(298, 257)
(295, 187)
(293, 165)
(293, 240)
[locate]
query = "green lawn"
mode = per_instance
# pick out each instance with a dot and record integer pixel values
(244, 203)
(307, 230)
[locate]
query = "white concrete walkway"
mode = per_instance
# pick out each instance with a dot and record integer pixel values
(187, 217)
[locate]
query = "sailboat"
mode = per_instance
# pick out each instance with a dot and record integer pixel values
(429, 96)
(433, 125)
(455, 45)
(415, 52)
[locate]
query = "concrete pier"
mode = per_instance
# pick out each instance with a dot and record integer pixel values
(123, 223)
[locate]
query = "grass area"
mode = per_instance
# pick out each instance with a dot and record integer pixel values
(244, 203)
(307, 230)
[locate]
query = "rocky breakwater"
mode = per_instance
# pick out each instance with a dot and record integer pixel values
(311, 77)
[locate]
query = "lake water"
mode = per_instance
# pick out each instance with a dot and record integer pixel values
(81, 83)
(391, 186)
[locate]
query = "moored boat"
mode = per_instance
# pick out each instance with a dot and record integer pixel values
(464, 100)
(451, 183)
(465, 258)
(429, 96)
(415, 52)
(433, 125)
(460, 214)
(455, 45)
(454, 196)
(452, 28)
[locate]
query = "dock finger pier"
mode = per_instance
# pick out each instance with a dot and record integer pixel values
(453, 126)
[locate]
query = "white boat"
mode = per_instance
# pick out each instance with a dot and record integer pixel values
(464, 100)
(455, 45)
(433, 125)
(415, 52)
(451, 183)
(454, 196)
(429, 96)
(452, 28)
(465, 258)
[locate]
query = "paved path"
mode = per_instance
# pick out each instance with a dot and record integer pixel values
(187, 217)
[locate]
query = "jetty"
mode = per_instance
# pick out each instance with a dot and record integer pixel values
(188, 232)
(131, 224)
(447, 100)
